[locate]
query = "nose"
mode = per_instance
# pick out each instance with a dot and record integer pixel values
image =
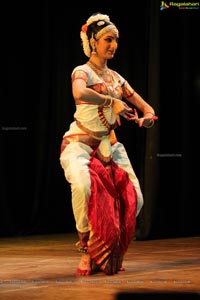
(114, 44)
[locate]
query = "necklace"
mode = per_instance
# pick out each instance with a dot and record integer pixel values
(97, 68)
(105, 75)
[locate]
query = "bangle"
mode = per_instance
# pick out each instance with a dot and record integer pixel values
(111, 102)
(107, 102)
(104, 102)
(148, 123)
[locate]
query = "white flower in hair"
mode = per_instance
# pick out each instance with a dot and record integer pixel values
(96, 18)
(85, 41)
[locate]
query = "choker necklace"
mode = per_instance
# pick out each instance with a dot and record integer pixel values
(94, 66)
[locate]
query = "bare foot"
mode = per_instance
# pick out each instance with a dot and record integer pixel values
(84, 267)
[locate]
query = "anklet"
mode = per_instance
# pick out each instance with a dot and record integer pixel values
(83, 249)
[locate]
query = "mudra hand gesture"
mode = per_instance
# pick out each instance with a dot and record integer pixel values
(146, 121)
(122, 109)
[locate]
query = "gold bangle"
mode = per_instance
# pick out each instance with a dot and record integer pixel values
(104, 102)
(107, 102)
(148, 123)
(111, 102)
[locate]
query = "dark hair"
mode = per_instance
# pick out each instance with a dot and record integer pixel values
(96, 26)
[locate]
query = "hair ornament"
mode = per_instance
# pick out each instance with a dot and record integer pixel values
(85, 41)
(98, 17)
(84, 28)
(100, 23)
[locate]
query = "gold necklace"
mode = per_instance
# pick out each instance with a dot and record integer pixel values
(105, 75)
(97, 68)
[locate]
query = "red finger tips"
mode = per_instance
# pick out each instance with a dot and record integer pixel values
(155, 118)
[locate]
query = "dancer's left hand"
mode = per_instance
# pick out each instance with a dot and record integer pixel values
(144, 121)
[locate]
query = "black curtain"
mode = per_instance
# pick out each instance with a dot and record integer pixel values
(158, 54)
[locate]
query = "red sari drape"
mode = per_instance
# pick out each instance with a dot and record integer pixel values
(111, 213)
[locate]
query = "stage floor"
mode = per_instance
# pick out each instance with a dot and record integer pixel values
(44, 266)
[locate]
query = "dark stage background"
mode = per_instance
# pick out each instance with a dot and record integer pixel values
(158, 54)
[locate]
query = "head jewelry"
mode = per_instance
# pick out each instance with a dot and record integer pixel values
(95, 27)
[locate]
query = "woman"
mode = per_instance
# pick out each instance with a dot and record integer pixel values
(106, 194)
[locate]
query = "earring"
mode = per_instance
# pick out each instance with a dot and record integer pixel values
(94, 51)
(93, 46)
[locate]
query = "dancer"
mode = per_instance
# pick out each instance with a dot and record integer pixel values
(106, 194)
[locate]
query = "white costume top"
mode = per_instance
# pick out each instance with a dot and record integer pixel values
(90, 115)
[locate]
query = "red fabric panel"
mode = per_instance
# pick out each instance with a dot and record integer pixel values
(112, 206)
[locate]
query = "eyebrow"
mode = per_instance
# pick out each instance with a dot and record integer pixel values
(110, 36)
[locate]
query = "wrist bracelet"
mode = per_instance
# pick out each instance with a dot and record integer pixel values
(104, 102)
(107, 102)
(148, 123)
(111, 102)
